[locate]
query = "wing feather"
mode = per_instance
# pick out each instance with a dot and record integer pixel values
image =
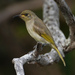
(42, 30)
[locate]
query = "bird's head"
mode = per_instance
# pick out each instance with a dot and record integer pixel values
(27, 15)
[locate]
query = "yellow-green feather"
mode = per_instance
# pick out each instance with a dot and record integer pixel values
(59, 55)
(46, 37)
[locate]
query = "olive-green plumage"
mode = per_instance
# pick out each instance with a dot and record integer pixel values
(38, 30)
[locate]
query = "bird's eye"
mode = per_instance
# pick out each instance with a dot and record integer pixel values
(26, 14)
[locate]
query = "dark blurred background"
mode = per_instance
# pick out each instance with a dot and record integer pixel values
(15, 40)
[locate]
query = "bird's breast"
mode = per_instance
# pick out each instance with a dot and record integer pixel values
(33, 34)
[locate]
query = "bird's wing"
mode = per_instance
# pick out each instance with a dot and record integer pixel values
(42, 30)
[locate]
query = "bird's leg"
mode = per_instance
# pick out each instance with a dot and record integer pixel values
(39, 46)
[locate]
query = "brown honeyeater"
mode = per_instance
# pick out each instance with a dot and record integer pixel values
(38, 30)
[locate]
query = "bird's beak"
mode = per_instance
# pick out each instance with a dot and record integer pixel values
(22, 16)
(17, 16)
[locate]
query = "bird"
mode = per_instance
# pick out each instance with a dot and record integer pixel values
(38, 30)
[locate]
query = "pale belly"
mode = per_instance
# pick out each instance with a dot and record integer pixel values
(34, 35)
(37, 37)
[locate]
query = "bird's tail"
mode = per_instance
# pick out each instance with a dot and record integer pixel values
(49, 39)
(59, 54)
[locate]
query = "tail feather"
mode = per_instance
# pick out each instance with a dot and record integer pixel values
(59, 55)
(49, 39)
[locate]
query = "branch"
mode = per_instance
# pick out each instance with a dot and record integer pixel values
(31, 58)
(51, 19)
(70, 20)
(67, 13)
